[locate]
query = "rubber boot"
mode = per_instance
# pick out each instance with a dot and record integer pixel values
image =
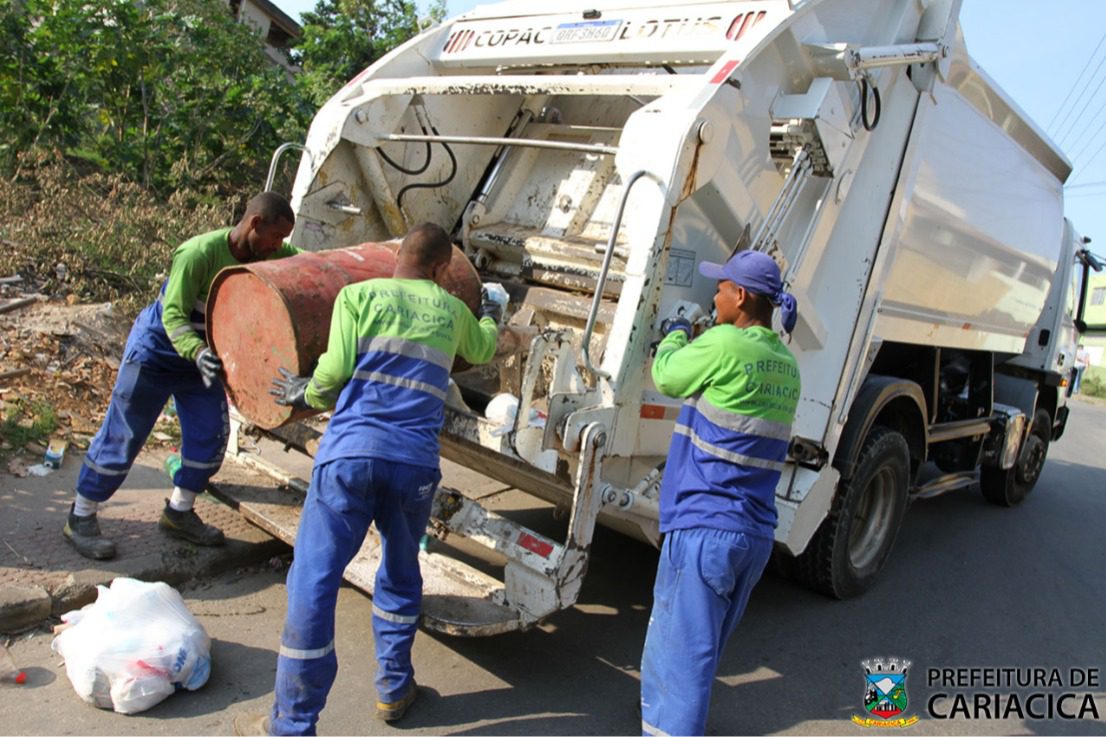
(393, 711)
(188, 526)
(83, 533)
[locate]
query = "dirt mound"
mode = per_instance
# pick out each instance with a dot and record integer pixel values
(57, 368)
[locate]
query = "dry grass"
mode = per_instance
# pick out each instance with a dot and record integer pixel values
(96, 236)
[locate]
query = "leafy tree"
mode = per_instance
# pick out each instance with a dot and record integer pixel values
(169, 93)
(342, 37)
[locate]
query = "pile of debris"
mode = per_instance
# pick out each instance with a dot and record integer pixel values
(58, 361)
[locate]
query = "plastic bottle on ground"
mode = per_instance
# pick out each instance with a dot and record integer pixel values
(9, 674)
(172, 465)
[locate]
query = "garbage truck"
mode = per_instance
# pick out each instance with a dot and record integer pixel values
(589, 155)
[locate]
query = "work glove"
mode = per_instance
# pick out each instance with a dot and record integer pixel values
(492, 301)
(210, 366)
(683, 316)
(672, 324)
(289, 389)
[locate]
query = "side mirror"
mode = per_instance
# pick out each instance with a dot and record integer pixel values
(1080, 325)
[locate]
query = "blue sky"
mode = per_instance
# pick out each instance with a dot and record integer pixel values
(1036, 51)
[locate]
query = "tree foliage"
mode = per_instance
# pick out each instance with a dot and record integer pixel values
(169, 93)
(342, 37)
(173, 94)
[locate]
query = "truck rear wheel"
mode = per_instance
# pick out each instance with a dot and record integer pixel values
(1009, 487)
(850, 547)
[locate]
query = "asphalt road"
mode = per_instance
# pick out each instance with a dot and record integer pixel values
(969, 585)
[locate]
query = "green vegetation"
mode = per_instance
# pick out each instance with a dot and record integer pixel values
(128, 127)
(342, 37)
(27, 422)
(95, 235)
(1094, 382)
(168, 93)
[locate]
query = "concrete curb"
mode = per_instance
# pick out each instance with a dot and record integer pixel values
(22, 607)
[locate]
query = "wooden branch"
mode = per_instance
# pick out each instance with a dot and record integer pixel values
(14, 373)
(16, 304)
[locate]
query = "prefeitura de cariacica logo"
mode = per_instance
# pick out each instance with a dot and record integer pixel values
(885, 699)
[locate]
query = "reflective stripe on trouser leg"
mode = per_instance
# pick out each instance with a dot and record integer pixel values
(335, 519)
(402, 511)
(136, 401)
(204, 429)
(704, 579)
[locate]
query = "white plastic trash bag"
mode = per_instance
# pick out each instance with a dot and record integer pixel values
(135, 645)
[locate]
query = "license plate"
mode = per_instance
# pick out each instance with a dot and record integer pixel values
(586, 31)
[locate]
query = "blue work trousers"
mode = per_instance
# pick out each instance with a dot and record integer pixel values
(346, 495)
(141, 391)
(704, 579)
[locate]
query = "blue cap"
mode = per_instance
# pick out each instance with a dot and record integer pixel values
(759, 273)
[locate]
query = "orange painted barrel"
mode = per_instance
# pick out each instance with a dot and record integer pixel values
(272, 314)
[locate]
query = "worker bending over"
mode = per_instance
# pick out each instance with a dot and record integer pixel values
(167, 355)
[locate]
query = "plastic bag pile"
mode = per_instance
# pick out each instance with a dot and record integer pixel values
(134, 646)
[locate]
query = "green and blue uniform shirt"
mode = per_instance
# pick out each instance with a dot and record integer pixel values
(731, 437)
(173, 329)
(386, 368)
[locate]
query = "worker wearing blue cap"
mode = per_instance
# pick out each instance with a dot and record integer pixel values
(717, 499)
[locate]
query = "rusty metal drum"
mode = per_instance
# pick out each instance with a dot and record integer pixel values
(272, 314)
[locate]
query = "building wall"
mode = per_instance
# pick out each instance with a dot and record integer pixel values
(1096, 300)
(271, 23)
(254, 17)
(1095, 316)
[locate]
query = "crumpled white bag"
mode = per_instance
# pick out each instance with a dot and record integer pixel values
(134, 646)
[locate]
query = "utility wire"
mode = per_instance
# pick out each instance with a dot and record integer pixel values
(1088, 184)
(1091, 160)
(1076, 82)
(1091, 140)
(1088, 102)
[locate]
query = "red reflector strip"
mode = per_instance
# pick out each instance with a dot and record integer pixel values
(725, 72)
(534, 545)
(658, 412)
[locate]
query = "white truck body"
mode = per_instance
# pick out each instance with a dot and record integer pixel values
(591, 157)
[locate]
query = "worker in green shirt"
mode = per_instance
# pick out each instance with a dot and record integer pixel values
(167, 355)
(386, 372)
(717, 499)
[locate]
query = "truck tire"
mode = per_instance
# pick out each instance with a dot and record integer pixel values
(1009, 487)
(850, 547)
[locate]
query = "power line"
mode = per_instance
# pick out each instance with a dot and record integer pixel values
(1076, 82)
(1091, 160)
(1088, 184)
(1088, 102)
(1090, 141)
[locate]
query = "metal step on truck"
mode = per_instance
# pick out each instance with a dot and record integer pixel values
(588, 156)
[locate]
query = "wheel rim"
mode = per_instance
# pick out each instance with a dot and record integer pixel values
(872, 519)
(1032, 460)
